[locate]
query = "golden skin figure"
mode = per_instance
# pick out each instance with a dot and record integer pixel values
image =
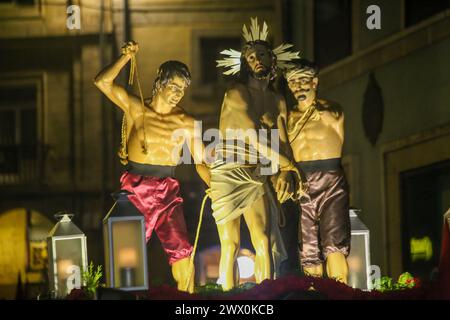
(320, 138)
(251, 105)
(150, 129)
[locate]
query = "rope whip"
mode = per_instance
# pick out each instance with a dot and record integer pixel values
(123, 152)
(197, 235)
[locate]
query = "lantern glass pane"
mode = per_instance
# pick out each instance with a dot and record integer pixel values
(128, 253)
(107, 254)
(69, 264)
(357, 262)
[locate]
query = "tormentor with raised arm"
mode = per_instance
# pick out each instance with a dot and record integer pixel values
(152, 154)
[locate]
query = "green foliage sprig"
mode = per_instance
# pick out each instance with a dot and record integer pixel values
(405, 281)
(91, 278)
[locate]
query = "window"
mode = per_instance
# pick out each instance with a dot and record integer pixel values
(18, 2)
(332, 31)
(18, 128)
(19, 9)
(419, 10)
(425, 198)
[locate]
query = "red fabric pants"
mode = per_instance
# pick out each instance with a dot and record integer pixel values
(159, 201)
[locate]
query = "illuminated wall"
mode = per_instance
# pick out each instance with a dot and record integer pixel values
(23, 249)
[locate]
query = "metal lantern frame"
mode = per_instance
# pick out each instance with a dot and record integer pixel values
(358, 228)
(122, 210)
(64, 230)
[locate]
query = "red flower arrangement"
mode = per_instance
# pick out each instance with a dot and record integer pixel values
(293, 288)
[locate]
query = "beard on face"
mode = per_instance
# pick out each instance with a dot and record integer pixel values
(262, 74)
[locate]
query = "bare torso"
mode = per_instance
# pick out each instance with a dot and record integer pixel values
(264, 108)
(320, 138)
(159, 129)
(260, 108)
(249, 108)
(155, 132)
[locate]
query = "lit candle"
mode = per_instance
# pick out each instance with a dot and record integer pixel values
(128, 260)
(128, 257)
(63, 268)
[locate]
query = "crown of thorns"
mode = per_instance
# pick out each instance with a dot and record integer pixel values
(232, 60)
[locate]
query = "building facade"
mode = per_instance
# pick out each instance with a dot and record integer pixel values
(59, 136)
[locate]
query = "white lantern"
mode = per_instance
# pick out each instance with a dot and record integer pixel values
(67, 256)
(359, 257)
(125, 246)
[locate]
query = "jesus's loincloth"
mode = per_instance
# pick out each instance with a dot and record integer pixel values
(234, 188)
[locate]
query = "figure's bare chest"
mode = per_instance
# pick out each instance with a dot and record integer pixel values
(160, 129)
(314, 130)
(302, 125)
(263, 108)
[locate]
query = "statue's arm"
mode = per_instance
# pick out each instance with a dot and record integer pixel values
(336, 116)
(282, 128)
(339, 127)
(105, 81)
(197, 149)
(284, 182)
